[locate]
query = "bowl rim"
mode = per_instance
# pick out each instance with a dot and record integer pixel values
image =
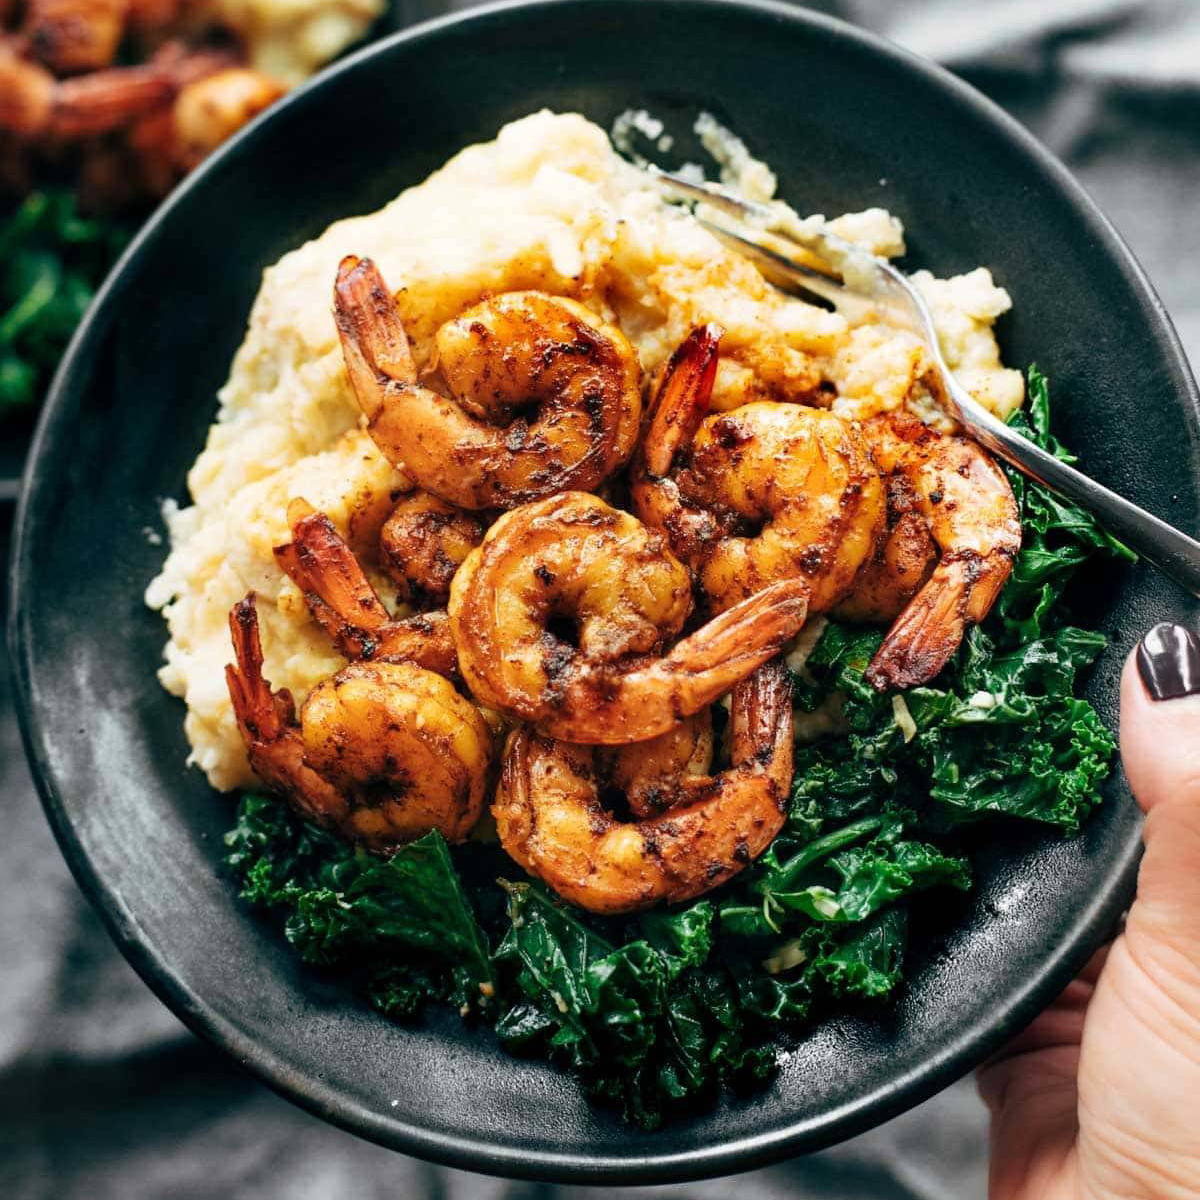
(462, 1149)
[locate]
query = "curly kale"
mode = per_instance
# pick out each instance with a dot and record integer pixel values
(408, 916)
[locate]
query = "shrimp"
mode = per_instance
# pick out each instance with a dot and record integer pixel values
(646, 773)
(766, 492)
(71, 36)
(381, 753)
(968, 507)
(347, 607)
(152, 17)
(210, 110)
(424, 541)
(480, 447)
(34, 104)
(552, 819)
(170, 112)
(904, 558)
(559, 614)
(175, 83)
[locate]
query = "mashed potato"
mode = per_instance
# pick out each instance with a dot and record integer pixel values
(547, 205)
(290, 39)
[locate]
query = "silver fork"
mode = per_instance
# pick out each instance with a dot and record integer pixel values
(856, 282)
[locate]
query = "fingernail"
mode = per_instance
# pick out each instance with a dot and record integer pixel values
(1168, 660)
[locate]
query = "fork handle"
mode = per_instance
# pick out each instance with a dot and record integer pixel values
(1169, 549)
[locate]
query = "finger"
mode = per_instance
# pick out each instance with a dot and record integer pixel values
(1058, 1027)
(1139, 1070)
(1131, 1083)
(1160, 748)
(1029, 1089)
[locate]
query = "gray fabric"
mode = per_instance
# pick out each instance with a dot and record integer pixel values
(102, 1092)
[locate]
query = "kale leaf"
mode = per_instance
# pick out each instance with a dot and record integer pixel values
(645, 1024)
(1058, 537)
(407, 915)
(51, 262)
(1000, 730)
(861, 961)
(1002, 733)
(865, 963)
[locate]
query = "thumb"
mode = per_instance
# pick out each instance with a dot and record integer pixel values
(1160, 747)
(1139, 1069)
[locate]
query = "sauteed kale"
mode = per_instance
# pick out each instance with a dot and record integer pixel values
(656, 1011)
(51, 262)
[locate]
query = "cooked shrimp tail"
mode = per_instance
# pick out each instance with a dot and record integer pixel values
(972, 518)
(683, 398)
(603, 708)
(645, 702)
(107, 100)
(259, 711)
(926, 634)
(374, 344)
(343, 602)
(740, 640)
(267, 721)
(34, 104)
(382, 752)
(760, 720)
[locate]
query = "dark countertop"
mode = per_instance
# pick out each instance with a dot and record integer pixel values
(103, 1094)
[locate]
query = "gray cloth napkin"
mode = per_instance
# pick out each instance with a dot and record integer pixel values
(104, 1095)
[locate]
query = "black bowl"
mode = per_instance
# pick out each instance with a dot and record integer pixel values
(848, 121)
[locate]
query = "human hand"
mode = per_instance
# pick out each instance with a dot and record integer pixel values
(1099, 1098)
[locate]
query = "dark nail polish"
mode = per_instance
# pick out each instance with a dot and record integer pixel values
(1168, 660)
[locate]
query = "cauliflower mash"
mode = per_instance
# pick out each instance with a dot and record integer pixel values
(548, 205)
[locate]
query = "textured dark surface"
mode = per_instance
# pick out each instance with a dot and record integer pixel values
(146, 821)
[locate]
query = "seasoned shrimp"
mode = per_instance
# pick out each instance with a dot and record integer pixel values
(347, 607)
(647, 773)
(551, 816)
(424, 541)
(766, 492)
(70, 36)
(904, 557)
(210, 110)
(181, 95)
(559, 614)
(968, 507)
(34, 104)
(148, 17)
(170, 112)
(381, 753)
(480, 448)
